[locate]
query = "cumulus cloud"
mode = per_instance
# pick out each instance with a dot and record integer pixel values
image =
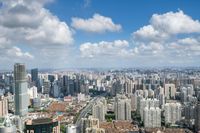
(17, 52)
(96, 24)
(166, 40)
(27, 22)
(163, 26)
(175, 23)
(161, 36)
(152, 48)
(186, 47)
(23, 21)
(149, 33)
(109, 49)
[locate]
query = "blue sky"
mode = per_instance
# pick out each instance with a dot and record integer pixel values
(99, 33)
(131, 14)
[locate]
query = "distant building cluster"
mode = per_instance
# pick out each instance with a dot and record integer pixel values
(99, 101)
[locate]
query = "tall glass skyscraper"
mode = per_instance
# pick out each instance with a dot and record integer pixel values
(35, 78)
(34, 75)
(21, 87)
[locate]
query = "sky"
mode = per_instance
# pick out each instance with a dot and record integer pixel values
(99, 33)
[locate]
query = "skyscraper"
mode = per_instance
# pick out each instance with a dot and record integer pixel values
(189, 112)
(35, 79)
(65, 84)
(98, 111)
(172, 112)
(152, 117)
(170, 91)
(122, 108)
(147, 103)
(128, 86)
(88, 123)
(197, 119)
(46, 87)
(3, 106)
(21, 93)
(34, 75)
(134, 102)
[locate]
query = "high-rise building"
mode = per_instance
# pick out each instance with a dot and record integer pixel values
(122, 108)
(152, 117)
(197, 119)
(104, 101)
(134, 102)
(21, 89)
(3, 106)
(145, 93)
(186, 94)
(128, 86)
(55, 89)
(189, 112)
(159, 91)
(172, 113)
(46, 87)
(170, 91)
(51, 78)
(71, 87)
(188, 88)
(147, 103)
(32, 92)
(117, 88)
(65, 84)
(139, 98)
(183, 96)
(161, 99)
(34, 76)
(89, 123)
(98, 111)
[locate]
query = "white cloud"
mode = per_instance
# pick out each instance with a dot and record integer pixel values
(28, 23)
(186, 46)
(152, 48)
(7, 51)
(148, 33)
(190, 41)
(17, 52)
(51, 31)
(161, 37)
(96, 24)
(117, 48)
(158, 43)
(175, 23)
(163, 26)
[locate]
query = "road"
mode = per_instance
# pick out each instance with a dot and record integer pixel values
(87, 109)
(84, 112)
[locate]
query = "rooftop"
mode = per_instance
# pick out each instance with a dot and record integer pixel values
(119, 127)
(167, 130)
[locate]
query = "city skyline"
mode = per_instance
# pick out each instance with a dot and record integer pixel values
(99, 34)
(123, 100)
